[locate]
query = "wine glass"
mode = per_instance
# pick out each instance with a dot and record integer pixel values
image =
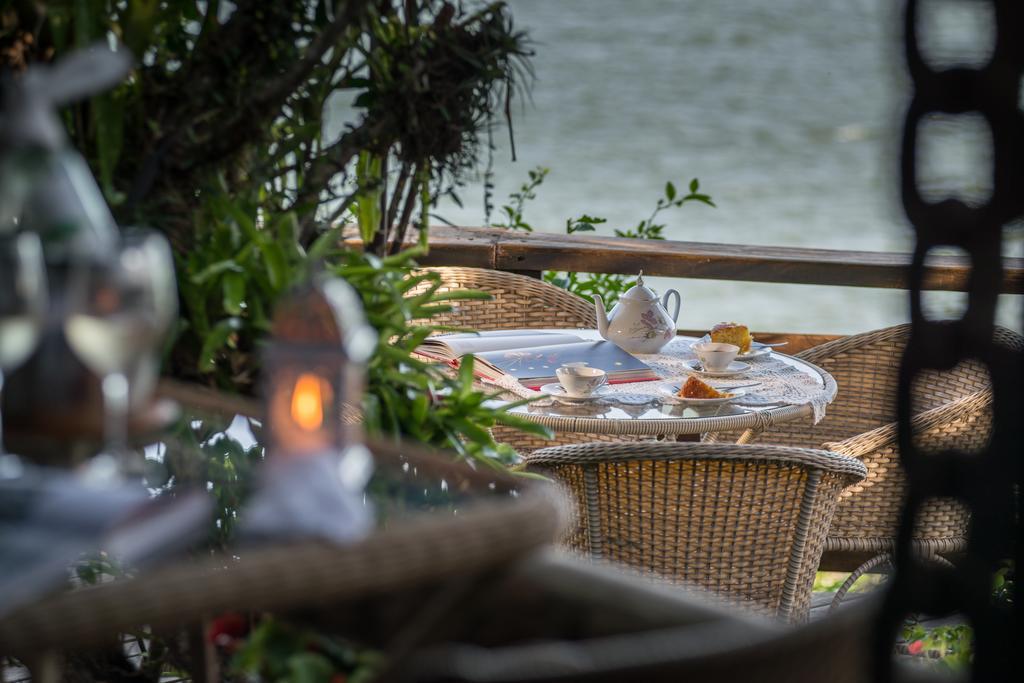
(120, 308)
(23, 302)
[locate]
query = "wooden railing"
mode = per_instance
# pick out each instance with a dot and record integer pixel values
(534, 252)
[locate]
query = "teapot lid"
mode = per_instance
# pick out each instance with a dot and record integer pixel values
(640, 291)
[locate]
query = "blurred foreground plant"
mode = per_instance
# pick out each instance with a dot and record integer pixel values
(228, 137)
(236, 277)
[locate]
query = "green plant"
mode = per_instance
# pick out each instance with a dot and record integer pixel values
(611, 286)
(608, 286)
(237, 276)
(1004, 584)
(942, 647)
(236, 94)
(282, 652)
(406, 396)
(218, 139)
(513, 211)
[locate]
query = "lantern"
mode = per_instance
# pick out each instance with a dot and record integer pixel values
(314, 369)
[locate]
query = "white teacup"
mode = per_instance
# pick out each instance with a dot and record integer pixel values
(579, 380)
(714, 356)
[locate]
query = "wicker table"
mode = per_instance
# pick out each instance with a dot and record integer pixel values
(442, 528)
(662, 419)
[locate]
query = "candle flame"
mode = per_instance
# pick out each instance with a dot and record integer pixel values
(307, 403)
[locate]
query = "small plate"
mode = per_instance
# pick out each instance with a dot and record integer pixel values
(557, 392)
(735, 368)
(757, 350)
(671, 389)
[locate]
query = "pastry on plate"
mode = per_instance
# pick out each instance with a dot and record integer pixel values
(732, 333)
(695, 388)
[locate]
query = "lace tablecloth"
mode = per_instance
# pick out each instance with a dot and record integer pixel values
(780, 382)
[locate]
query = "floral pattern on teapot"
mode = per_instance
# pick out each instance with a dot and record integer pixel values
(639, 322)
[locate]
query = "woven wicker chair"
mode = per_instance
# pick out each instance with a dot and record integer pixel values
(952, 410)
(745, 522)
(519, 302)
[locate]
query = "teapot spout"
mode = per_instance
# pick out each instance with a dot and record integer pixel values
(602, 316)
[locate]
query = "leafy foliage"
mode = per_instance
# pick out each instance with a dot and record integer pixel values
(1004, 584)
(608, 286)
(235, 95)
(406, 396)
(527, 191)
(218, 138)
(239, 273)
(279, 651)
(949, 648)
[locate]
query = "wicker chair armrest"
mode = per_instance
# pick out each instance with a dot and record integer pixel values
(886, 435)
(849, 469)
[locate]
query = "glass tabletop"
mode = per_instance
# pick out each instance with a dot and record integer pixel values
(223, 454)
(649, 402)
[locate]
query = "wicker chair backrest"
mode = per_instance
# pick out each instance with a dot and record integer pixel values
(745, 522)
(865, 368)
(518, 302)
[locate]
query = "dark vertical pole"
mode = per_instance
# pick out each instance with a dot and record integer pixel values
(989, 483)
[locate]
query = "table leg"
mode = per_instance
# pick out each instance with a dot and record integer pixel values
(749, 436)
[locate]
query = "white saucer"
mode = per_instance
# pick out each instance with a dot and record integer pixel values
(735, 368)
(757, 350)
(557, 392)
(671, 389)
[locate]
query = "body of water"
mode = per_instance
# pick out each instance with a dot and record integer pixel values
(787, 111)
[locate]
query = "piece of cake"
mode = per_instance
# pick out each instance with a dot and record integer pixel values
(695, 388)
(732, 333)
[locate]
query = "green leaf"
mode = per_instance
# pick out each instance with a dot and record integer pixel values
(464, 295)
(309, 667)
(522, 424)
(404, 258)
(243, 220)
(139, 23)
(367, 207)
(466, 374)
(472, 431)
(286, 229)
(328, 240)
(670, 191)
(277, 265)
(215, 341)
(694, 185)
(420, 405)
(214, 269)
(234, 293)
(85, 23)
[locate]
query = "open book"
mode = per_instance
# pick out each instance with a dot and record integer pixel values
(532, 357)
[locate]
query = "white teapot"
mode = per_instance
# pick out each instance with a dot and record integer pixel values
(639, 322)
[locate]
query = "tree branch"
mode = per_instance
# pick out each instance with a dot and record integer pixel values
(396, 197)
(278, 90)
(403, 222)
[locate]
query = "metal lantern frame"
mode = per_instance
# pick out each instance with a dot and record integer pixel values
(319, 331)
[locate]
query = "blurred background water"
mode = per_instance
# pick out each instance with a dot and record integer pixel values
(787, 111)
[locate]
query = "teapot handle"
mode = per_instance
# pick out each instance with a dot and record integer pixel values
(679, 301)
